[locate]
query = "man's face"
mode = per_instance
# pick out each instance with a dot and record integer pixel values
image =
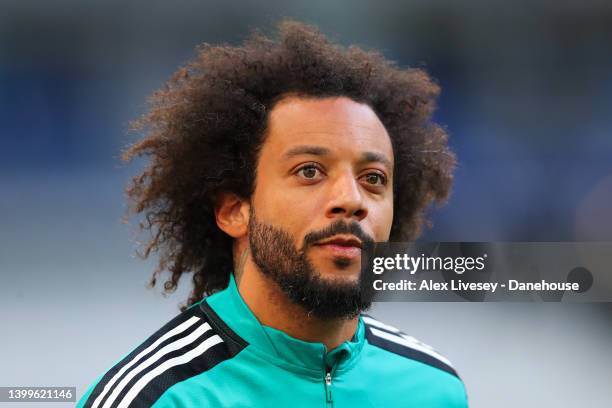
(323, 188)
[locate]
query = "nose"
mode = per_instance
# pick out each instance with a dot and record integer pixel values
(346, 199)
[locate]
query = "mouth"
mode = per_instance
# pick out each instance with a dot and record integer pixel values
(345, 246)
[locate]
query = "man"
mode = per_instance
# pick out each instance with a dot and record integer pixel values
(272, 164)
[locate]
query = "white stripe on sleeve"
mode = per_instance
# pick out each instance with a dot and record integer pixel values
(176, 345)
(183, 359)
(410, 344)
(178, 329)
(378, 324)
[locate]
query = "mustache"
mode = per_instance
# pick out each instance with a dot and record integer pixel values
(337, 227)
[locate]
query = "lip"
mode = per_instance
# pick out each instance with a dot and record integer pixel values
(342, 246)
(342, 240)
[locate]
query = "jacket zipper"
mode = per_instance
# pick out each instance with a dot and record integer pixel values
(328, 387)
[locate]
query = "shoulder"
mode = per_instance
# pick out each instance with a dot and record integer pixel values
(393, 340)
(188, 345)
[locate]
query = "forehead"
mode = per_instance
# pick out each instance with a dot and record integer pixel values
(336, 122)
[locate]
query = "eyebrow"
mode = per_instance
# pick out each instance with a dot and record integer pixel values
(376, 157)
(323, 151)
(312, 150)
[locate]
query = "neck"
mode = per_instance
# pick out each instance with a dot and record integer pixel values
(272, 308)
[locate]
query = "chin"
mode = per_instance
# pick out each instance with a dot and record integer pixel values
(340, 272)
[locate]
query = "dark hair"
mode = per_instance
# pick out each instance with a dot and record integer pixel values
(204, 129)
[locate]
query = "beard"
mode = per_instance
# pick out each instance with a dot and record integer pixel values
(277, 257)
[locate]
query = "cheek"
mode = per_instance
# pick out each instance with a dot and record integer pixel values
(390, 218)
(288, 211)
(382, 221)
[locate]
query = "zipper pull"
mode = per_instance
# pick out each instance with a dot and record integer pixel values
(328, 391)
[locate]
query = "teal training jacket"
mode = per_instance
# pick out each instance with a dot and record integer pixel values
(217, 354)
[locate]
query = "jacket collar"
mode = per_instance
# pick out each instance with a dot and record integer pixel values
(277, 345)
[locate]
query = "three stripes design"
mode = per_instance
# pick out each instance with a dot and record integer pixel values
(110, 395)
(392, 334)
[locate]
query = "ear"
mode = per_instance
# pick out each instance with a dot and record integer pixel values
(232, 214)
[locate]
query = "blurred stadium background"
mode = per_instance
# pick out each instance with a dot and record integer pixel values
(527, 91)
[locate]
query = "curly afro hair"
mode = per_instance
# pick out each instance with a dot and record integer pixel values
(205, 127)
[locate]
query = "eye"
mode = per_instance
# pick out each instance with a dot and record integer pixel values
(375, 179)
(309, 172)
